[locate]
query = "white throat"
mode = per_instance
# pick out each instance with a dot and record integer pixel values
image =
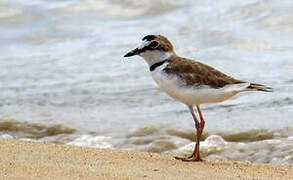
(152, 57)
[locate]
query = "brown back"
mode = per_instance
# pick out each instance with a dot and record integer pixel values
(194, 73)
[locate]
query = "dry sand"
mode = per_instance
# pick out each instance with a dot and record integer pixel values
(39, 160)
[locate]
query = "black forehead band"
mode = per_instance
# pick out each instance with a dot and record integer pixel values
(149, 38)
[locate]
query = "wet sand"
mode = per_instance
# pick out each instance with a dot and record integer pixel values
(40, 160)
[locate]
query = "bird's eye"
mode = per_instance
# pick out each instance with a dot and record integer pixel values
(154, 44)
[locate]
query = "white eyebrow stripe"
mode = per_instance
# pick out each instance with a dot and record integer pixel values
(143, 44)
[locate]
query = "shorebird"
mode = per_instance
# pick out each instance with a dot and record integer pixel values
(188, 81)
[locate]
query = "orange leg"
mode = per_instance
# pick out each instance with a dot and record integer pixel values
(202, 122)
(199, 129)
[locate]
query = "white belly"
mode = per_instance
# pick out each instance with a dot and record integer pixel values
(193, 95)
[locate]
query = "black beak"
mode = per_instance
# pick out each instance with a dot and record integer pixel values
(132, 52)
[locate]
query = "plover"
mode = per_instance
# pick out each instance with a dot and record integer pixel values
(188, 81)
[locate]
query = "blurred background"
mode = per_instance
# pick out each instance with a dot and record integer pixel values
(63, 77)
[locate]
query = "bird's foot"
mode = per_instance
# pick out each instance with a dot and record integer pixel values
(188, 159)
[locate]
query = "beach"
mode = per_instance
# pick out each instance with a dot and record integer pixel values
(43, 160)
(64, 80)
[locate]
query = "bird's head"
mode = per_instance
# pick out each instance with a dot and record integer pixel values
(153, 48)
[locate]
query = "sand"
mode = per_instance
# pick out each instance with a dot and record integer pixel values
(41, 160)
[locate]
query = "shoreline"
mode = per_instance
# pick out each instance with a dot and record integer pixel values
(43, 160)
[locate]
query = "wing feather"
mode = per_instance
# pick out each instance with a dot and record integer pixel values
(194, 73)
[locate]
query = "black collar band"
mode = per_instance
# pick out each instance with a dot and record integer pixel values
(154, 66)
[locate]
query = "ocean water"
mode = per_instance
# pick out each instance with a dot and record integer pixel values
(63, 78)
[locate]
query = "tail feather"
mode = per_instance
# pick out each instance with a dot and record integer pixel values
(259, 87)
